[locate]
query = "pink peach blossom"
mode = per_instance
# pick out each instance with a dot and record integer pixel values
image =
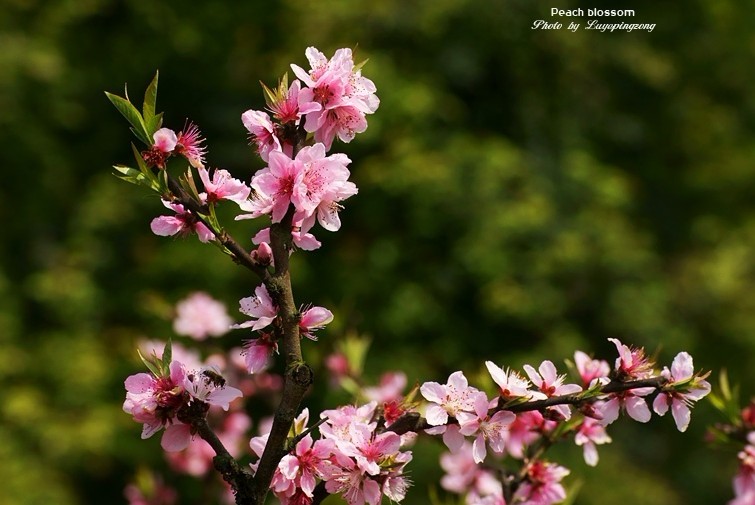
(223, 187)
(183, 223)
(259, 307)
(682, 390)
(199, 316)
(546, 379)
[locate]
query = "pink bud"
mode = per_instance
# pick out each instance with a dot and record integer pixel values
(263, 254)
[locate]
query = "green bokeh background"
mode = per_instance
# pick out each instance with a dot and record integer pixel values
(522, 194)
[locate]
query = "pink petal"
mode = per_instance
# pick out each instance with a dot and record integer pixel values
(433, 392)
(436, 415)
(139, 383)
(453, 438)
(372, 492)
(204, 233)
(257, 357)
(568, 389)
(307, 483)
(533, 375)
(479, 451)
(681, 414)
(316, 317)
(637, 409)
(610, 411)
(289, 466)
(458, 381)
(165, 139)
(481, 405)
(660, 404)
(166, 226)
(496, 372)
(150, 429)
(222, 397)
(176, 437)
(682, 367)
(177, 372)
(305, 241)
(590, 452)
(548, 371)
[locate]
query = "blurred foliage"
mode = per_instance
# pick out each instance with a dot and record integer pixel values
(522, 194)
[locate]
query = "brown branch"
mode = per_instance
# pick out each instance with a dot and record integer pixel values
(240, 255)
(298, 376)
(320, 493)
(413, 422)
(240, 479)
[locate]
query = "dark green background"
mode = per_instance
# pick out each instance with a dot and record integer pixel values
(522, 194)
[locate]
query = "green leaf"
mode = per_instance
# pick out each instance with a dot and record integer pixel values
(132, 115)
(359, 65)
(167, 356)
(154, 182)
(723, 381)
(150, 100)
(154, 124)
(187, 182)
(152, 368)
(132, 175)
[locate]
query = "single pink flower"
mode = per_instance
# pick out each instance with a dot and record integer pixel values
(223, 187)
(189, 145)
(313, 319)
(321, 175)
(343, 122)
(551, 384)
(464, 474)
(292, 107)
(164, 143)
(260, 307)
(307, 463)
(525, 430)
(390, 388)
(278, 181)
(630, 401)
(632, 363)
(199, 316)
(511, 384)
(302, 240)
(262, 132)
(258, 352)
(338, 366)
(209, 387)
(542, 485)
(591, 369)
(370, 449)
(682, 390)
(448, 399)
(327, 211)
(490, 429)
(339, 421)
(590, 434)
(395, 487)
(348, 480)
(183, 223)
(155, 401)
